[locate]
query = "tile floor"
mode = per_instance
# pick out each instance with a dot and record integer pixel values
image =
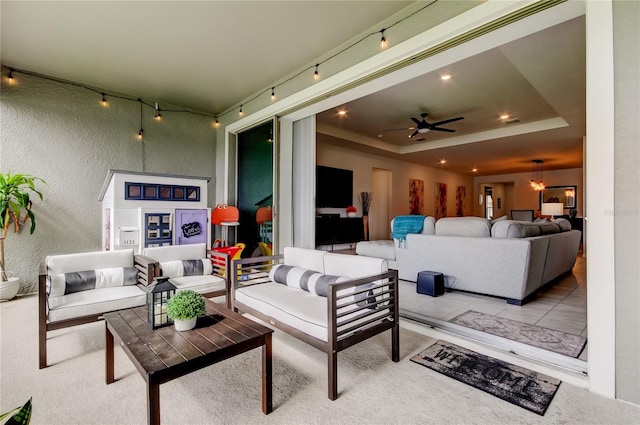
(562, 306)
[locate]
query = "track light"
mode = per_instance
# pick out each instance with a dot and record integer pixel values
(383, 41)
(316, 76)
(273, 93)
(157, 116)
(104, 102)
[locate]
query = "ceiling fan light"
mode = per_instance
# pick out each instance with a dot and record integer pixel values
(423, 130)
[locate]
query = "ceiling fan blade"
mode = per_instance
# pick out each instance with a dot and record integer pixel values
(445, 121)
(398, 129)
(420, 139)
(415, 120)
(448, 130)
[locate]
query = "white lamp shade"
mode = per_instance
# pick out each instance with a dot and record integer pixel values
(552, 208)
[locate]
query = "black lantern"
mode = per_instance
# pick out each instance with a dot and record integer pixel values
(157, 297)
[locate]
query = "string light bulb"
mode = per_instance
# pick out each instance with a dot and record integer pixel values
(316, 75)
(141, 132)
(157, 116)
(240, 113)
(216, 123)
(10, 76)
(104, 102)
(383, 41)
(273, 93)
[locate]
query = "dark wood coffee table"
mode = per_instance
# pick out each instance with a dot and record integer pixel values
(164, 354)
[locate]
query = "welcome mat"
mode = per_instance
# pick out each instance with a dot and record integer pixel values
(537, 336)
(522, 387)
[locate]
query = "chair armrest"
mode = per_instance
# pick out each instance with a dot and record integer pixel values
(253, 270)
(346, 317)
(147, 269)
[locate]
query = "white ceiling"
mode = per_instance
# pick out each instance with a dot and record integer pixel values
(210, 55)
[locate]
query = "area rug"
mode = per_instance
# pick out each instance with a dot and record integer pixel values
(537, 336)
(517, 385)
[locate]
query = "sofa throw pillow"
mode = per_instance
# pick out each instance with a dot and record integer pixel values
(318, 283)
(179, 268)
(69, 283)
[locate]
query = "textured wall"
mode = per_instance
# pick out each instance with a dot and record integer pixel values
(60, 133)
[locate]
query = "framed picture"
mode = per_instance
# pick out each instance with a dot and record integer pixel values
(568, 195)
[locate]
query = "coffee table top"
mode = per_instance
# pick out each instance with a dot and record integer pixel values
(219, 334)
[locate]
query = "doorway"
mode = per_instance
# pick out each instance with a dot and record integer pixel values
(379, 213)
(254, 183)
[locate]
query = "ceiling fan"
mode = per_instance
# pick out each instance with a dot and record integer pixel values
(425, 127)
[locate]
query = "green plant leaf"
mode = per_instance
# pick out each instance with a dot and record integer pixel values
(21, 417)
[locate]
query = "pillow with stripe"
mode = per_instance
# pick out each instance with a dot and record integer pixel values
(68, 283)
(317, 283)
(181, 268)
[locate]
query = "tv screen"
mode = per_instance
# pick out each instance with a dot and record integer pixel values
(334, 187)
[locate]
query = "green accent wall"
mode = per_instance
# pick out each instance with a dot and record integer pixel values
(255, 181)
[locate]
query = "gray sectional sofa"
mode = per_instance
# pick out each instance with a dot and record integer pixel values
(505, 258)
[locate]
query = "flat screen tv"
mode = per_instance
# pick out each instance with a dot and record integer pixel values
(334, 187)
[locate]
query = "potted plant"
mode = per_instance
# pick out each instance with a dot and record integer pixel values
(351, 211)
(184, 308)
(15, 191)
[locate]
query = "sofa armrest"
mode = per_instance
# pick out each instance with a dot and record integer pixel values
(251, 271)
(351, 320)
(147, 269)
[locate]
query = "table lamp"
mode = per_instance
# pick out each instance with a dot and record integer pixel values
(552, 208)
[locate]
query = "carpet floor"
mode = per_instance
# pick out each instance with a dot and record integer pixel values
(372, 389)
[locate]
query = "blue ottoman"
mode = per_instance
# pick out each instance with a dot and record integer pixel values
(430, 283)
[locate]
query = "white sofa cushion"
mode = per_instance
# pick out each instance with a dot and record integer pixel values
(353, 266)
(478, 227)
(201, 284)
(86, 303)
(305, 258)
(176, 252)
(66, 263)
(299, 309)
(378, 249)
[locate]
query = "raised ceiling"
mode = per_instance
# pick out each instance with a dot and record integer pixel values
(538, 80)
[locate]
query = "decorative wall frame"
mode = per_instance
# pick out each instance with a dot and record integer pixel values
(568, 195)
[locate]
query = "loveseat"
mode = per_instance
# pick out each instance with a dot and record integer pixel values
(505, 258)
(80, 287)
(330, 301)
(192, 267)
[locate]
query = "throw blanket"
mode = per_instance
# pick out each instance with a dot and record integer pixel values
(405, 224)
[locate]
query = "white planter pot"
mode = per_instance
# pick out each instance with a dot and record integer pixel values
(9, 289)
(185, 325)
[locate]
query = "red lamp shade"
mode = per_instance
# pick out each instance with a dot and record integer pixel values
(264, 214)
(224, 213)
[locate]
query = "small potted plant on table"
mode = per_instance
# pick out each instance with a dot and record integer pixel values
(184, 308)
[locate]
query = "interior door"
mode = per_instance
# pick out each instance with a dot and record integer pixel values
(191, 227)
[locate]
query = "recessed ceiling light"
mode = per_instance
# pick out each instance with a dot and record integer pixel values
(445, 77)
(504, 116)
(474, 170)
(342, 112)
(443, 161)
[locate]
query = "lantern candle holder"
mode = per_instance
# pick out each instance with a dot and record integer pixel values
(157, 298)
